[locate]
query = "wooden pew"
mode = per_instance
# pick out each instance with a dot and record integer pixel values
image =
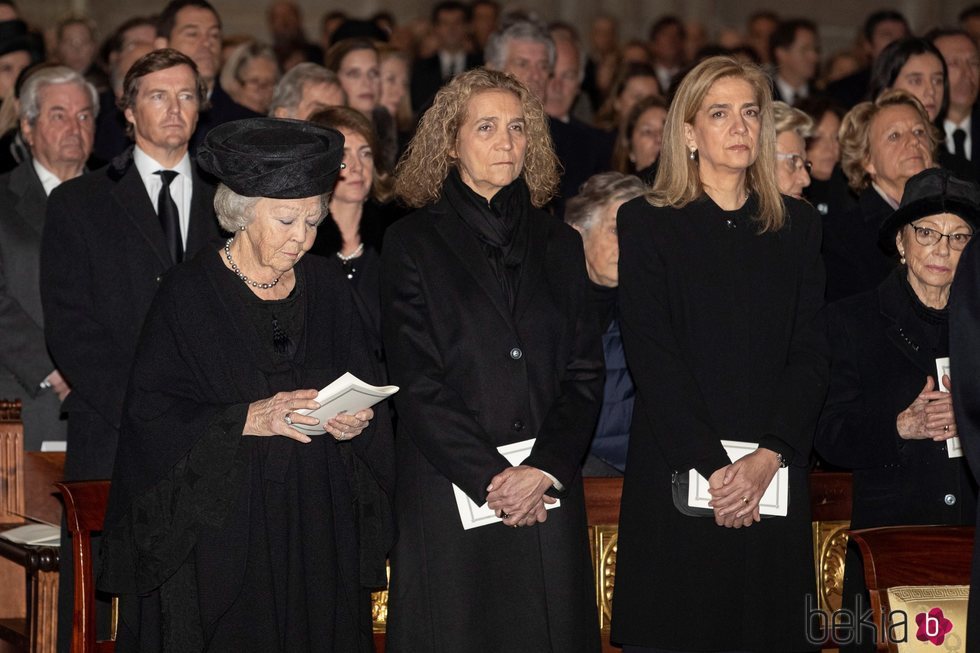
(28, 575)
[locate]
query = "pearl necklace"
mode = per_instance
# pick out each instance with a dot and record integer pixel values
(248, 282)
(357, 252)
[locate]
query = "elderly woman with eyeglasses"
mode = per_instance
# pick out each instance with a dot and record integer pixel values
(792, 166)
(889, 414)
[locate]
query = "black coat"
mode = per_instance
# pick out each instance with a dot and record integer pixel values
(111, 138)
(103, 255)
(876, 373)
(882, 351)
(832, 196)
(24, 359)
(854, 262)
(211, 523)
(964, 358)
(719, 324)
(474, 376)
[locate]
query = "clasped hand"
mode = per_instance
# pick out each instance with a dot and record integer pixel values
(517, 494)
(736, 489)
(930, 415)
(268, 417)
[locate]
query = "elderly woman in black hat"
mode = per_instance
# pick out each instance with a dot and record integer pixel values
(228, 528)
(889, 414)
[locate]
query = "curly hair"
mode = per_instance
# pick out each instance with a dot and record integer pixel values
(855, 134)
(353, 120)
(425, 165)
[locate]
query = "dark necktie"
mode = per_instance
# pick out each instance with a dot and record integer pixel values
(959, 143)
(169, 217)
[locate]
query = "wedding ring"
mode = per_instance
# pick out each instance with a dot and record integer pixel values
(288, 419)
(946, 428)
(745, 499)
(503, 515)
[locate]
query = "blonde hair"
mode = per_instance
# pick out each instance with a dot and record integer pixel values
(678, 180)
(425, 165)
(788, 119)
(855, 134)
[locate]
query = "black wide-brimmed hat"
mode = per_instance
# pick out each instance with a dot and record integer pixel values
(273, 157)
(931, 192)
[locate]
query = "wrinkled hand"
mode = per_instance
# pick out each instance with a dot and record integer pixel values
(59, 385)
(345, 427)
(519, 493)
(736, 489)
(928, 415)
(268, 416)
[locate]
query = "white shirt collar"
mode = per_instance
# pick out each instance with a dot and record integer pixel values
(950, 127)
(790, 93)
(49, 180)
(181, 188)
(148, 166)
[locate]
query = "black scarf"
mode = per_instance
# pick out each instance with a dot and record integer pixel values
(499, 225)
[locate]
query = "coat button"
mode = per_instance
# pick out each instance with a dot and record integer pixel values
(518, 425)
(516, 353)
(159, 279)
(950, 499)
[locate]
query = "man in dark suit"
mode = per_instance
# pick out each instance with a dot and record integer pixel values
(193, 27)
(450, 20)
(962, 122)
(794, 48)
(526, 51)
(583, 149)
(57, 120)
(108, 239)
(880, 29)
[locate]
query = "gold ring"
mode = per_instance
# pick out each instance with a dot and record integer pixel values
(745, 499)
(946, 428)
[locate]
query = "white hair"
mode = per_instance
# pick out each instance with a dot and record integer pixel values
(30, 106)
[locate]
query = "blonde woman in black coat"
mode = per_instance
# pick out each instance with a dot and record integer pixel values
(720, 282)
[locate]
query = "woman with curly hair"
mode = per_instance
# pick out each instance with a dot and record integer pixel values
(487, 333)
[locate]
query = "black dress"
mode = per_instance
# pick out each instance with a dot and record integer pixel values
(719, 324)
(831, 196)
(884, 344)
(229, 543)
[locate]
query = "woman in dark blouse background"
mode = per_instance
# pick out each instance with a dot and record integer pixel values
(720, 284)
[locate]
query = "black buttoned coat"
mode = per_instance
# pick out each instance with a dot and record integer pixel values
(103, 254)
(475, 375)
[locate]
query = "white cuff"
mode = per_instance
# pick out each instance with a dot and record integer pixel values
(554, 481)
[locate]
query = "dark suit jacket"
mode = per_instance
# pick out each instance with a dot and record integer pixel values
(850, 90)
(777, 95)
(111, 139)
(24, 359)
(102, 256)
(427, 78)
(223, 109)
(475, 375)
(850, 247)
(583, 151)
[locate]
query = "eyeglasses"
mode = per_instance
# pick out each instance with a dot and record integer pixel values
(928, 237)
(797, 162)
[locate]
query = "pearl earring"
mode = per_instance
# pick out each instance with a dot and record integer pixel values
(242, 228)
(693, 155)
(902, 258)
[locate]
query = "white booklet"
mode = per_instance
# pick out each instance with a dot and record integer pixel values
(775, 500)
(348, 394)
(34, 535)
(953, 447)
(474, 516)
